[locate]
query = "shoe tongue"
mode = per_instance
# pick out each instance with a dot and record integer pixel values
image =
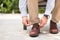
(35, 26)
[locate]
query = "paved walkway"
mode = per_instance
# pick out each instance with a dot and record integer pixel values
(11, 28)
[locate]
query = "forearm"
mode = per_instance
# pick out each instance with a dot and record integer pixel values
(49, 7)
(22, 7)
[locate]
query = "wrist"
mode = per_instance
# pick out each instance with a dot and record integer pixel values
(47, 16)
(24, 16)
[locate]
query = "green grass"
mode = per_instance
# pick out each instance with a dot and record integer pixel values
(41, 9)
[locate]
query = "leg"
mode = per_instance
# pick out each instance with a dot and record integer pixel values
(33, 14)
(56, 12)
(55, 17)
(33, 11)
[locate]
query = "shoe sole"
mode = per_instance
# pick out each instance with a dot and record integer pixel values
(54, 32)
(34, 35)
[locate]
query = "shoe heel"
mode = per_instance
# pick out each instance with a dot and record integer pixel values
(24, 27)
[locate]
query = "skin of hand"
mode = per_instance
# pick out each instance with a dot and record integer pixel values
(43, 21)
(25, 21)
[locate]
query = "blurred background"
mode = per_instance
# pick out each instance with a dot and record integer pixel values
(10, 6)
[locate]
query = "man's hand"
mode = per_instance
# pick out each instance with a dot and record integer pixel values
(25, 21)
(43, 21)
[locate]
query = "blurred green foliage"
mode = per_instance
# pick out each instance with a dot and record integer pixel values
(41, 9)
(7, 6)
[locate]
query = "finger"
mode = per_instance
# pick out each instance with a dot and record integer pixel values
(25, 22)
(28, 23)
(41, 23)
(40, 26)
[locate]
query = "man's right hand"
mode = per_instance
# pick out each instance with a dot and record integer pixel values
(43, 21)
(25, 21)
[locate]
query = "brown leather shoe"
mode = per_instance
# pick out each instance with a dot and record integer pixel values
(53, 28)
(35, 30)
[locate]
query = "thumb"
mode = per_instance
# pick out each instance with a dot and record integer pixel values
(28, 23)
(41, 23)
